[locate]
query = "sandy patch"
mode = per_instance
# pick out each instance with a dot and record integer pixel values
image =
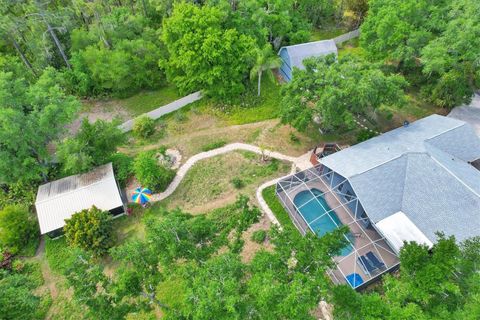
(99, 111)
(250, 248)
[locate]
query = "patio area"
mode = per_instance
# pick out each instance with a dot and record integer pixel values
(317, 202)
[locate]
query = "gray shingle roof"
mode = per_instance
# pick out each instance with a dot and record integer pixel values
(469, 113)
(421, 170)
(300, 52)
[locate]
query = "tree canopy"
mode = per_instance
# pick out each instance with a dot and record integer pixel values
(91, 230)
(93, 145)
(438, 285)
(205, 54)
(31, 117)
(337, 92)
(434, 43)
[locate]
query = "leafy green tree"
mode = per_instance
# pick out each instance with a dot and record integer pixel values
(31, 117)
(150, 173)
(430, 286)
(17, 228)
(338, 91)
(93, 145)
(144, 127)
(354, 12)
(91, 230)
(122, 166)
(204, 54)
(397, 31)
(318, 12)
(93, 288)
(17, 300)
(266, 61)
(280, 22)
(452, 58)
(215, 289)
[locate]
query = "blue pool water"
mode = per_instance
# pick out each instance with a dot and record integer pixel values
(313, 209)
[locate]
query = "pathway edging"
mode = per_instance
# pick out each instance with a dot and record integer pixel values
(296, 162)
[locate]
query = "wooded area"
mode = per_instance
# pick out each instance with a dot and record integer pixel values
(172, 264)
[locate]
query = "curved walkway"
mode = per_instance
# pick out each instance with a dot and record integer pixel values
(263, 204)
(302, 162)
(212, 153)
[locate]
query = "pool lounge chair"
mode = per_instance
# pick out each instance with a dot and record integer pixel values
(373, 258)
(366, 265)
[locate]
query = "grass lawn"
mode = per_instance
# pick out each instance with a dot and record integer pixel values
(253, 108)
(326, 33)
(280, 213)
(146, 101)
(209, 183)
(135, 105)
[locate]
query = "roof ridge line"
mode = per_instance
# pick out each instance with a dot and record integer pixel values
(305, 43)
(385, 162)
(453, 174)
(448, 130)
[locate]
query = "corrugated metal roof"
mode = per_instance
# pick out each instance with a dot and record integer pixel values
(421, 170)
(300, 52)
(58, 200)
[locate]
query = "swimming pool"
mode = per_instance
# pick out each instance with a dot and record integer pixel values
(312, 211)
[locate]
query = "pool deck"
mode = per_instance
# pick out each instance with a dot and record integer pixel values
(364, 239)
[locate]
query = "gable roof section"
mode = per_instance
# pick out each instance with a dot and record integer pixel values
(421, 170)
(299, 52)
(60, 199)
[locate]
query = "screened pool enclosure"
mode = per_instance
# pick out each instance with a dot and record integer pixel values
(319, 200)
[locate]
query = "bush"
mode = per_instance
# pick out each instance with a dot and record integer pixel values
(364, 135)
(57, 252)
(294, 138)
(214, 145)
(143, 127)
(259, 236)
(91, 230)
(150, 173)
(123, 167)
(17, 228)
(238, 183)
(19, 193)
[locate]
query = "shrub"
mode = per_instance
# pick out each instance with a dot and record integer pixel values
(259, 236)
(150, 173)
(57, 252)
(123, 167)
(180, 116)
(238, 183)
(365, 135)
(214, 145)
(19, 193)
(91, 230)
(294, 138)
(17, 228)
(143, 127)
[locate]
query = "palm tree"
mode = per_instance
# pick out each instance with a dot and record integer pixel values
(266, 61)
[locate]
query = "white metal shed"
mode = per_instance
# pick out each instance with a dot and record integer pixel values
(59, 200)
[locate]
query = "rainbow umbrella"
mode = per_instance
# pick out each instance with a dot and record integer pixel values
(141, 195)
